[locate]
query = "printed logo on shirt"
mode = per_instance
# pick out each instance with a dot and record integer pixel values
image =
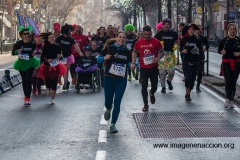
(147, 51)
(147, 46)
(191, 44)
(120, 56)
(64, 42)
(167, 37)
(27, 49)
(87, 60)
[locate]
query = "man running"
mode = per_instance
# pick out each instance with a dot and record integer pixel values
(110, 34)
(205, 44)
(148, 48)
(167, 64)
(81, 41)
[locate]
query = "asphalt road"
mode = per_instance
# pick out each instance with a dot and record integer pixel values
(73, 128)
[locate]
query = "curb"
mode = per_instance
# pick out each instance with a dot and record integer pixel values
(218, 85)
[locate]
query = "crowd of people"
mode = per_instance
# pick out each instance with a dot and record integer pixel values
(43, 59)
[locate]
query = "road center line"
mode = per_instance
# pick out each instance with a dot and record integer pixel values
(103, 121)
(101, 155)
(102, 136)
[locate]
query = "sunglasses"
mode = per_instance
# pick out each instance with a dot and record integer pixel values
(87, 50)
(26, 33)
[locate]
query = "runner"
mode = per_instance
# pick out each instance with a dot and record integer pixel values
(66, 42)
(89, 36)
(25, 49)
(115, 30)
(180, 26)
(191, 48)
(202, 58)
(116, 58)
(51, 69)
(148, 48)
(168, 38)
(81, 41)
(129, 29)
(100, 36)
(110, 34)
(229, 48)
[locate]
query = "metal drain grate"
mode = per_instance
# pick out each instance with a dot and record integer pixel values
(184, 125)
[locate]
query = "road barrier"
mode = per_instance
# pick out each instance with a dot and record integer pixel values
(9, 80)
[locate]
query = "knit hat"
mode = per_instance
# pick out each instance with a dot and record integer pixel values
(159, 26)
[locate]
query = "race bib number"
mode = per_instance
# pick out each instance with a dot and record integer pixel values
(129, 46)
(54, 62)
(38, 56)
(148, 59)
(162, 59)
(24, 56)
(64, 60)
(118, 69)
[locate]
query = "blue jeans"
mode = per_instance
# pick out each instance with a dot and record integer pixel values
(114, 87)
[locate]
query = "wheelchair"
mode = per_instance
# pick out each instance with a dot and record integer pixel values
(96, 82)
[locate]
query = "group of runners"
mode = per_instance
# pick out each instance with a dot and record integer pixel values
(123, 55)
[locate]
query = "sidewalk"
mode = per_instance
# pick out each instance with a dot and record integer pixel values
(216, 84)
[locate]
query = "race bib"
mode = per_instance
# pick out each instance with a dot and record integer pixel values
(118, 69)
(148, 59)
(64, 60)
(129, 46)
(24, 56)
(54, 62)
(162, 59)
(38, 56)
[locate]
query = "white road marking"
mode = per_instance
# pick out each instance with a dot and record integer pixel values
(101, 155)
(9, 67)
(103, 121)
(102, 136)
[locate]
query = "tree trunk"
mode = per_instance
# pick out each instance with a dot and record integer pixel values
(135, 15)
(144, 15)
(169, 6)
(159, 11)
(189, 12)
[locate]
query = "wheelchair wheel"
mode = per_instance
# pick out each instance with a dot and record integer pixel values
(93, 88)
(99, 88)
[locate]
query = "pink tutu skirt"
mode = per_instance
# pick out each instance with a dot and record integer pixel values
(70, 59)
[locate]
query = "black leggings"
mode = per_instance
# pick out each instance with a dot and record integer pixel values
(37, 83)
(230, 77)
(52, 83)
(85, 78)
(26, 81)
(73, 66)
(190, 73)
(200, 73)
(147, 73)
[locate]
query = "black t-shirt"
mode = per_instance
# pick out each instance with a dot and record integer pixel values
(50, 51)
(66, 45)
(117, 64)
(230, 45)
(27, 48)
(130, 39)
(169, 38)
(98, 39)
(190, 43)
(85, 62)
(133, 46)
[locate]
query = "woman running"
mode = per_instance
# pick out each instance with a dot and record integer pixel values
(190, 47)
(229, 48)
(117, 58)
(25, 49)
(51, 69)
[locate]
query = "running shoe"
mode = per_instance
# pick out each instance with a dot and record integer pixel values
(130, 78)
(170, 87)
(188, 98)
(47, 92)
(34, 91)
(39, 92)
(198, 90)
(134, 73)
(73, 81)
(113, 129)
(136, 76)
(227, 104)
(27, 101)
(163, 90)
(231, 104)
(52, 101)
(107, 115)
(145, 108)
(87, 85)
(68, 84)
(152, 97)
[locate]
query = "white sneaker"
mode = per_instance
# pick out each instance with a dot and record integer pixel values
(227, 104)
(52, 101)
(47, 92)
(87, 85)
(231, 104)
(81, 85)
